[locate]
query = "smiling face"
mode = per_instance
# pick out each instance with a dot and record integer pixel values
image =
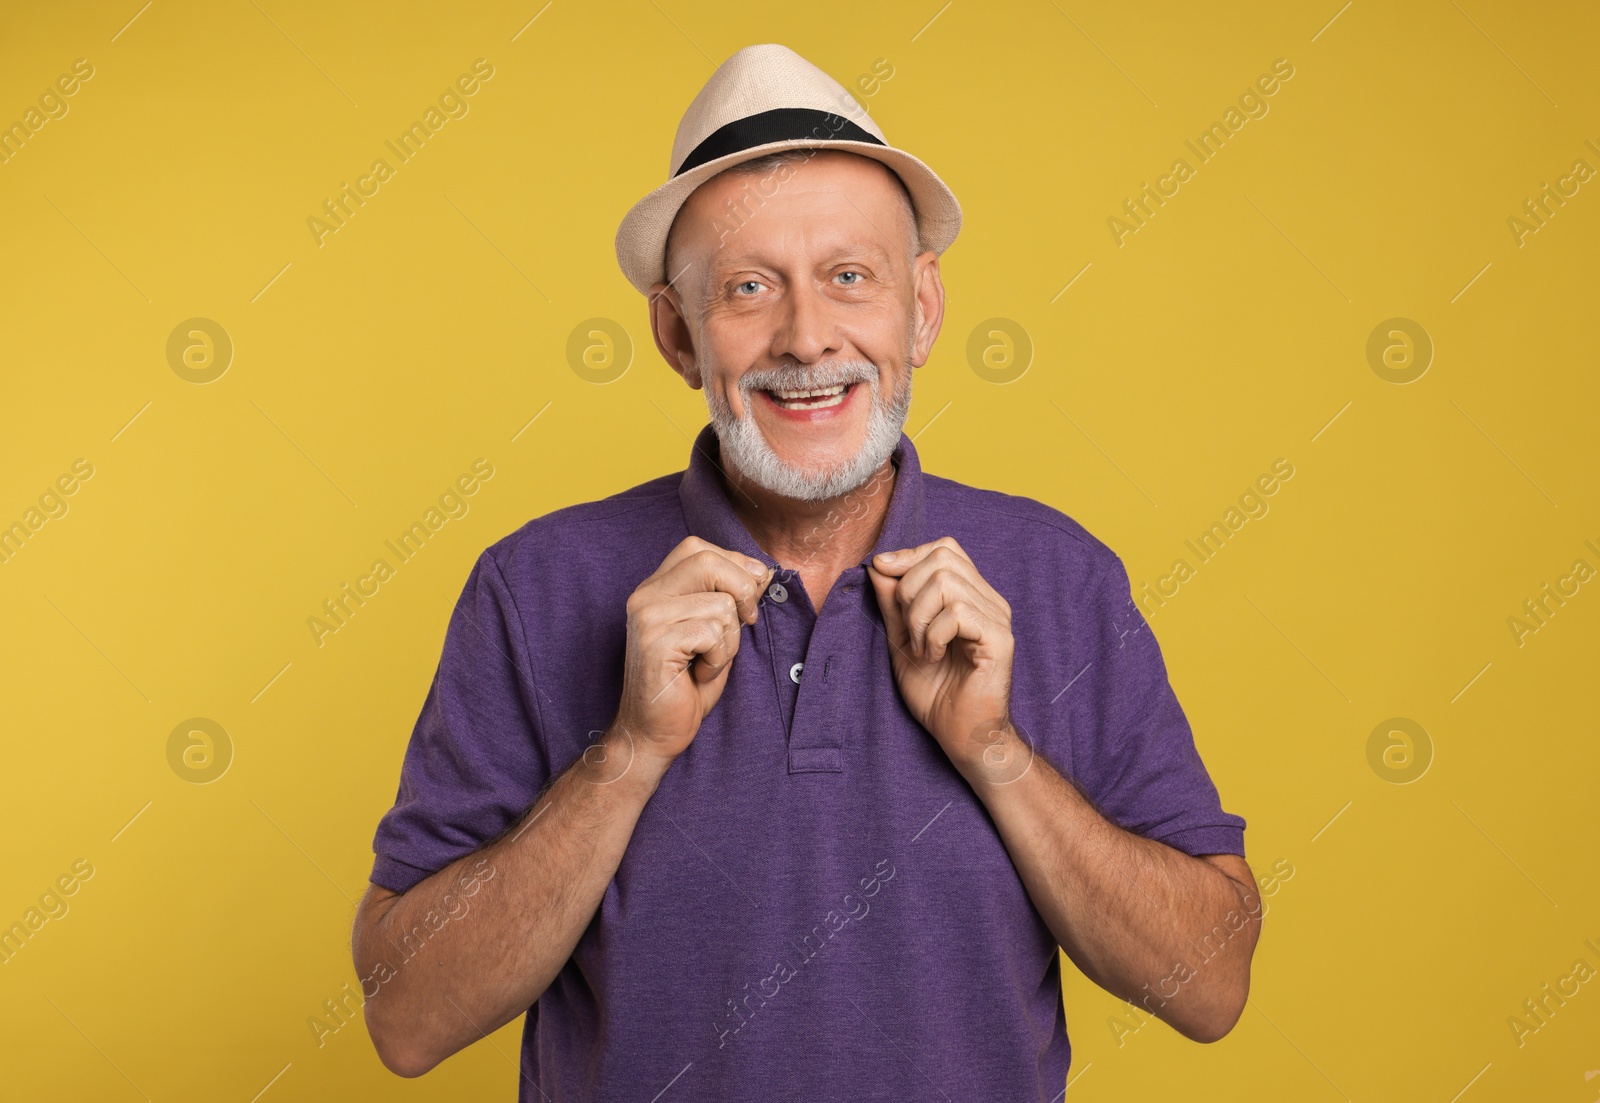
(800, 309)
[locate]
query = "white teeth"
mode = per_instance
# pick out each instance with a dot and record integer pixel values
(790, 396)
(818, 398)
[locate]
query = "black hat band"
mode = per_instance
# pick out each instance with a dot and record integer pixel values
(781, 124)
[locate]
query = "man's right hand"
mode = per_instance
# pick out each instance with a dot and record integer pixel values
(684, 626)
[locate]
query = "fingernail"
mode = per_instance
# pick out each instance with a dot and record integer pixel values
(756, 567)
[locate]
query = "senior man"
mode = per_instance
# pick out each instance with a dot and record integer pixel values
(788, 775)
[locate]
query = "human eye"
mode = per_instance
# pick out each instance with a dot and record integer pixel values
(742, 284)
(852, 272)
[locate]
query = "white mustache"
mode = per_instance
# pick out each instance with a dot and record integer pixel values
(805, 379)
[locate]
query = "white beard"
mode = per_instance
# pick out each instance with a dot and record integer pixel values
(747, 450)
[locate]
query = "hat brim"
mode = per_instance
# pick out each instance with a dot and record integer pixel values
(642, 237)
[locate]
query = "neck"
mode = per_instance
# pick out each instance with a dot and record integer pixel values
(819, 539)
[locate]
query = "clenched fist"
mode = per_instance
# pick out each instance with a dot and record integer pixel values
(950, 646)
(684, 626)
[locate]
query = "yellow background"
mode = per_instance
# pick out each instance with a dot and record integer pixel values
(371, 370)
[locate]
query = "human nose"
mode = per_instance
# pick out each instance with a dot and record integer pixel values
(808, 331)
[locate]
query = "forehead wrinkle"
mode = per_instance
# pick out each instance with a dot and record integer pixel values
(876, 247)
(883, 253)
(725, 259)
(729, 252)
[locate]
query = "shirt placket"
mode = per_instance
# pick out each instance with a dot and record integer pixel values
(810, 655)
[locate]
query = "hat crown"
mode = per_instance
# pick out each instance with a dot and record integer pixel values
(762, 78)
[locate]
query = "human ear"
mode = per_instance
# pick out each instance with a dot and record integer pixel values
(674, 338)
(929, 292)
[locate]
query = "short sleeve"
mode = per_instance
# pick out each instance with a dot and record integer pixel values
(476, 759)
(1133, 752)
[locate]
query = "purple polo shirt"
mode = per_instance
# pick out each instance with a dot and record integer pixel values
(814, 904)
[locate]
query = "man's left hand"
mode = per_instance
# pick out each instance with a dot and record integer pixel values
(950, 646)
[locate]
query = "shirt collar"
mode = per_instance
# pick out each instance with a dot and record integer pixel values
(709, 514)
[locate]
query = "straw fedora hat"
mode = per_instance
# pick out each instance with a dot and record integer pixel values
(764, 99)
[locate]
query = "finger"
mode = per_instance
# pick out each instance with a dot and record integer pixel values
(711, 662)
(951, 561)
(924, 598)
(894, 625)
(959, 620)
(691, 545)
(898, 562)
(925, 595)
(713, 644)
(700, 632)
(694, 545)
(954, 560)
(712, 569)
(661, 621)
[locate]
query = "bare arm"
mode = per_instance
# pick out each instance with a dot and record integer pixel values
(1171, 932)
(474, 945)
(1146, 922)
(450, 967)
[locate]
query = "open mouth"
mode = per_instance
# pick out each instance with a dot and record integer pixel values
(817, 398)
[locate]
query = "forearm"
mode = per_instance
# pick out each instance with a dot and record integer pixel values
(450, 968)
(1150, 924)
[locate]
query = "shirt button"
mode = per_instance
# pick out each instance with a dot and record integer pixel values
(794, 672)
(777, 592)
